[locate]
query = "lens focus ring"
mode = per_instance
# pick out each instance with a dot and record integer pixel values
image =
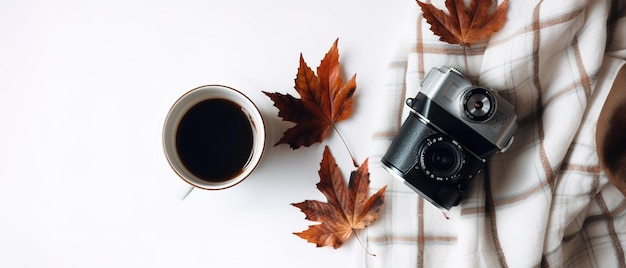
(441, 158)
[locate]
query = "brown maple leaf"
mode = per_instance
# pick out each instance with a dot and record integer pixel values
(463, 25)
(324, 101)
(348, 207)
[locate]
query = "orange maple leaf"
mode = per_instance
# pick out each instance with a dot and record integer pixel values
(348, 207)
(324, 101)
(463, 25)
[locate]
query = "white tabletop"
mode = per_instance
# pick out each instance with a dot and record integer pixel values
(84, 90)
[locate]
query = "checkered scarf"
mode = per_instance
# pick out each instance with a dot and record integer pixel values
(547, 201)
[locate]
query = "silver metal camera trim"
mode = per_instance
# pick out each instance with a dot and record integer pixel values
(442, 85)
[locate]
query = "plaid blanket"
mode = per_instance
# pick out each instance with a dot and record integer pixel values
(547, 202)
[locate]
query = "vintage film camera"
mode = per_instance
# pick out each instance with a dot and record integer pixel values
(453, 129)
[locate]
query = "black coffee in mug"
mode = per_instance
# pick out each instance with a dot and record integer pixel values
(214, 137)
(214, 140)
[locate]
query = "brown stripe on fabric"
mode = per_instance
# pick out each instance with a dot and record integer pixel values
(617, 211)
(384, 134)
(491, 213)
(584, 77)
(508, 201)
(612, 233)
(421, 241)
(402, 101)
(408, 239)
(586, 248)
(536, 45)
(571, 87)
(562, 18)
(472, 211)
(537, 188)
(560, 93)
(533, 117)
(419, 49)
(445, 49)
(588, 169)
(546, 23)
(419, 46)
(440, 238)
(593, 169)
(595, 183)
(397, 64)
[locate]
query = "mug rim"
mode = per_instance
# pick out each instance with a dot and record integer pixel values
(257, 152)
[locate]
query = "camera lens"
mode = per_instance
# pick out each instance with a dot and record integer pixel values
(442, 158)
(479, 104)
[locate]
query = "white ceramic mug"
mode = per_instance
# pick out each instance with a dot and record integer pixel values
(176, 139)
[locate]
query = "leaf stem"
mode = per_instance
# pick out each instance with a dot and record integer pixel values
(362, 245)
(354, 162)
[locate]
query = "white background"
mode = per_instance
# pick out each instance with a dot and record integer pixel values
(85, 87)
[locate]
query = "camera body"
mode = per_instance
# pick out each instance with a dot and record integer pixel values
(452, 130)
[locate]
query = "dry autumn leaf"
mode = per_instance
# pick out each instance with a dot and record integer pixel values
(348, 207)
(463, 25)
(325, 100)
